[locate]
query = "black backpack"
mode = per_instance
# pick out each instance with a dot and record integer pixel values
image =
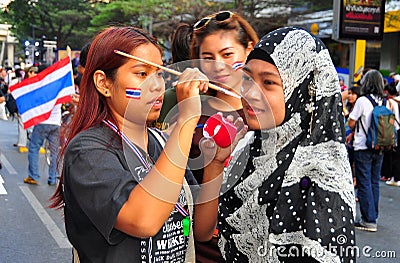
(11, 104)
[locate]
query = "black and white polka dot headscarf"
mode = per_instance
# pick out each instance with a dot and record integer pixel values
(300, 193)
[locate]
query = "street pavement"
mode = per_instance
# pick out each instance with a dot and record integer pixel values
(31, 232)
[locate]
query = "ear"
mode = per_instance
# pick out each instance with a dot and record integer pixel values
(250, 46)
(100, 81)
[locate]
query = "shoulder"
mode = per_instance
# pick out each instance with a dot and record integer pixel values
(396, 99)
(95, 137)
(363, 101)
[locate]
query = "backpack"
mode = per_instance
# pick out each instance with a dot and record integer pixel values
(381, 134)
(11, 104)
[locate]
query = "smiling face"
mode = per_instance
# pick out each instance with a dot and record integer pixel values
(222, 49)
(147, 80)
(262, 95)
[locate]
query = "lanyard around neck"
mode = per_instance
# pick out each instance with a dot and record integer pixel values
(137, 152)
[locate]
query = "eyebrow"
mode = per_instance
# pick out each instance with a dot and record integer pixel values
(222, 50)
(264, 73)
(144, 65)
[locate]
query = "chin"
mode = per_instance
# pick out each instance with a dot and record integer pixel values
(153, 116)
(253, 124)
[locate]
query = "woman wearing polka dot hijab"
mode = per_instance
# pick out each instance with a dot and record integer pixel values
(287, 194)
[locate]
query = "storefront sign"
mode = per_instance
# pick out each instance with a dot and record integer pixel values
(358, 19)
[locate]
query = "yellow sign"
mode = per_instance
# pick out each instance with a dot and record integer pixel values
(361, 47)
(392, 21)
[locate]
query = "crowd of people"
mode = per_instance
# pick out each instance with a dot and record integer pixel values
(371, 164)
(32, 140)
(142, 182)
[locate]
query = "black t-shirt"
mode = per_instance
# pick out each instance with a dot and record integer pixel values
(97, 182)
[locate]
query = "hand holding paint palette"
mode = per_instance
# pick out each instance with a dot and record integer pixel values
(220, 130)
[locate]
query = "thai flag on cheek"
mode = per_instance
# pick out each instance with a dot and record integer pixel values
(237, 65)
(133, 93)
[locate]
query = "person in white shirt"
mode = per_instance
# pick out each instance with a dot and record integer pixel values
(367, 162)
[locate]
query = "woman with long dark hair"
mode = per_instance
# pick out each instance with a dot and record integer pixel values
(367, 162)
(126, 198)
(222, 42)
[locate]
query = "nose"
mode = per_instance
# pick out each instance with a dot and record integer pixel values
(250, 92)
(219, 65)
(157, 83)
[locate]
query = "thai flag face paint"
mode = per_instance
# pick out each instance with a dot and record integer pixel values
(237, 65)
(133, 93)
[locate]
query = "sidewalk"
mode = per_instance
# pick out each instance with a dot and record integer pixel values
(382, 246)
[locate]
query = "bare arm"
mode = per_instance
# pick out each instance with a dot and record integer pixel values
(352, 123)
(207, 202)
(151, 202)
(206, 215)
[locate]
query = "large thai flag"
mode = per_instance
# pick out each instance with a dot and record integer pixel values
(37, 96)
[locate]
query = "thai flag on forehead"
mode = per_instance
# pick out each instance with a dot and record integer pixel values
(133, 93)
(37, 96)
(237, 65)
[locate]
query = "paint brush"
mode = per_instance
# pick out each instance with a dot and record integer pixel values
(172, 71)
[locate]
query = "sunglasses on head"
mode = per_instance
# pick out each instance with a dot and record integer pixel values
(33, 71)
(219, 17)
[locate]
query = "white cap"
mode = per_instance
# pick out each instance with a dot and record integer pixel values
(396, 78)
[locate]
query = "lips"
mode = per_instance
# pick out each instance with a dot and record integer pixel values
(253, 111)
(157, 103)
(222, 78)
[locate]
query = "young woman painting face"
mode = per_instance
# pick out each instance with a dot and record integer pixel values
(137, 76)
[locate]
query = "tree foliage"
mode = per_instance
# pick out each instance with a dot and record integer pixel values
(74, 22)
(64, 20)
(159, 17)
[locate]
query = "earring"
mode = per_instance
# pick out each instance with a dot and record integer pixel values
(106, 92)
(310, 106)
